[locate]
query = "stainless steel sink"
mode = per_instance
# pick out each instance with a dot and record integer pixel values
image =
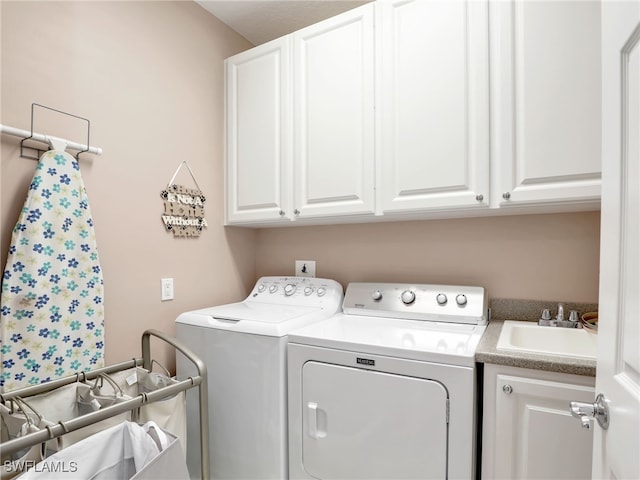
(532, 338)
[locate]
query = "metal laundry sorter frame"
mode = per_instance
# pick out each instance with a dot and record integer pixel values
(145, 361)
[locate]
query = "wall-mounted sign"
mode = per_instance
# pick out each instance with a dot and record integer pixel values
(183, 208)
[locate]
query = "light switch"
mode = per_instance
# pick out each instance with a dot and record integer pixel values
(167, 289)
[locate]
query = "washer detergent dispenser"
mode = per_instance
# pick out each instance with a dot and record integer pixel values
(244, 347)
(387, 389)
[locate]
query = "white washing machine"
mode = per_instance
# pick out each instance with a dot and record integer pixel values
(387, 389)
(244, 348)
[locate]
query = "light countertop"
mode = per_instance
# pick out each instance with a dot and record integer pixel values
(487, 353)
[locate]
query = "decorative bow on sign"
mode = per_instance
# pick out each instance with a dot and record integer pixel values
(183, 208)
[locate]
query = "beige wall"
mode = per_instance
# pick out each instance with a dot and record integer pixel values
(531, 257)
(149, 76)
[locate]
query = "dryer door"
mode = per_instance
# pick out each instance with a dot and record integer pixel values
(363, 424)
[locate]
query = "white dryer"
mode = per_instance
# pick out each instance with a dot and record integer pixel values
(244, 348)
(387, 389)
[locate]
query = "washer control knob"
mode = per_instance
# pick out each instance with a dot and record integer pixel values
(289, 289)
(261, 288)
(461, 299)
(441, 298)
(408, 297)
(308, 291)
(321, 291)
(273, 288)
(377, 295)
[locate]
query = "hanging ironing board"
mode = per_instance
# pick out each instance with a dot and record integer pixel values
(51, 307)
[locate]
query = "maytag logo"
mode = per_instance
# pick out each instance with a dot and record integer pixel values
(366, 361)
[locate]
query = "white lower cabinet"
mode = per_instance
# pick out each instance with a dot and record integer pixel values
(528, 431)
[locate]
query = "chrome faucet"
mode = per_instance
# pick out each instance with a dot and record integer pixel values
(559, 321)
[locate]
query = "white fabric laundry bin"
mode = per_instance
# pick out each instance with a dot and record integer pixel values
(169, 413)
(126, 451)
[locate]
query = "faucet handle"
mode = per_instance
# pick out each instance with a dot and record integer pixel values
(573, 316)
(560, 316)
(545, 319)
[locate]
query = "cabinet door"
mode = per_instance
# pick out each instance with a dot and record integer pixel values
(545, 66)
(433, 101)
(334, 116)
(535, 435)
(257, 138)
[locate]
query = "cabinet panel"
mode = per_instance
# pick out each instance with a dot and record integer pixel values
(258, 143)
(535, 435)
(433, 104)
(334, 115)
(546, 101)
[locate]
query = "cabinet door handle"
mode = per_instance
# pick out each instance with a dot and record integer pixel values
(506, 195)
(281, 213)
(507, 389)
(480, 197)
(296, 211)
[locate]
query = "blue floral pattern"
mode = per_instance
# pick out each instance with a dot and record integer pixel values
(52, 301)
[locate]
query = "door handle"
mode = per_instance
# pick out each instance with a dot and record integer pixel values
(312, 408)
(317, 421)
(586, 411)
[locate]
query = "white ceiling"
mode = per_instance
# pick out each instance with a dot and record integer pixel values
(262, 20)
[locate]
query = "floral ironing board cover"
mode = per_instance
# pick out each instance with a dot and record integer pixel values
(52, 301)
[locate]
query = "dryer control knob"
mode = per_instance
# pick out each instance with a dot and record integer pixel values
(273, 288)
(461, 299)
(441, 298)
(321, 291)
(377, 295)
(308, 291)
(261, 288)
(289, 289)
(408, 297)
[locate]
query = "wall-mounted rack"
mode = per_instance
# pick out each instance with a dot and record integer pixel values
(30, 135)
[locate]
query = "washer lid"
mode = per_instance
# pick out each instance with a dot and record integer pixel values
(254, 317)
(427, 341)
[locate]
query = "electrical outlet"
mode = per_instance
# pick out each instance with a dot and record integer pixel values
(305, 268)
(167, 289)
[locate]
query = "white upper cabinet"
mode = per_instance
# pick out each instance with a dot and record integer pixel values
(258, 149)
(443, 108)
(300, 124)
(334, 116)
(545, 69)
(433, 104)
